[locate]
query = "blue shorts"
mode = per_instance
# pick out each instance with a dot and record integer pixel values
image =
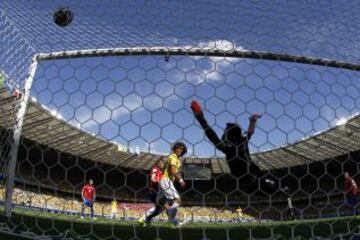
(88, 202)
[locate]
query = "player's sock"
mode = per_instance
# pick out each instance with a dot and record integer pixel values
(172, 213)
(82, 210)
(152, 212)
(149, 212)
(92, 212)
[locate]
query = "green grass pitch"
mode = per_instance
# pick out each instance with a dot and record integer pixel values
(58, 224)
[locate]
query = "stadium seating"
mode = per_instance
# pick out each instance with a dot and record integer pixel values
(62, 174)
(49, 202)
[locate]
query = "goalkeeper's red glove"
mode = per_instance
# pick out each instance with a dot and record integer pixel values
(195, 107)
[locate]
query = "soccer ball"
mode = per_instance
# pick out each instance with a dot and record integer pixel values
(63, 17)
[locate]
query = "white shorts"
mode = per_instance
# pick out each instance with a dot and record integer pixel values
(167, 189)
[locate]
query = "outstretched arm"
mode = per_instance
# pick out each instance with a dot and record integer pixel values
(209, 132)
(251, 129)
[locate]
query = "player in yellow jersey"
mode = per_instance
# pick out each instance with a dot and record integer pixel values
(168, 197)
(114, 208)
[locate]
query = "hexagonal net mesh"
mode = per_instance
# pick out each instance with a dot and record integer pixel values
(268, 113)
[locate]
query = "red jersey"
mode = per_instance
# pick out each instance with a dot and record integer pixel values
(351, 186)
(88, 192)
(156, 171)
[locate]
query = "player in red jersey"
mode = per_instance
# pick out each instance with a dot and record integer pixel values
(88, 194)
(351, 190)
(155, 177)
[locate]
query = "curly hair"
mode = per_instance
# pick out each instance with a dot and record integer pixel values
(180, 144)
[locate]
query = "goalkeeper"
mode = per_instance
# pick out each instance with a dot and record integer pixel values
(234, 144)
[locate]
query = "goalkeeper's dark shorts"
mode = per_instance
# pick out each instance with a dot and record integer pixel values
(351, 199)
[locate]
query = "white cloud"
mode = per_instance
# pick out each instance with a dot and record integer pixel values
(214, 77)
(195, 77)
(132, 102)
(220, 44)
(153, 102)
(341, 121)
(158, 148)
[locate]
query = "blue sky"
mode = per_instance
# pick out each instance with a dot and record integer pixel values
(319, 29)
(144, 100)
(140, 100)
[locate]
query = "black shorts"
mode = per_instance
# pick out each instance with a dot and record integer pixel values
(351, 200)
(152, 196)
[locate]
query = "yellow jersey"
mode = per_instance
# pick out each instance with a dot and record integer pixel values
(114, 205)
(173, 160)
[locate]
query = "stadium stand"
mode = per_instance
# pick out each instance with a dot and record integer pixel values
(61, 203)
(63, 173)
